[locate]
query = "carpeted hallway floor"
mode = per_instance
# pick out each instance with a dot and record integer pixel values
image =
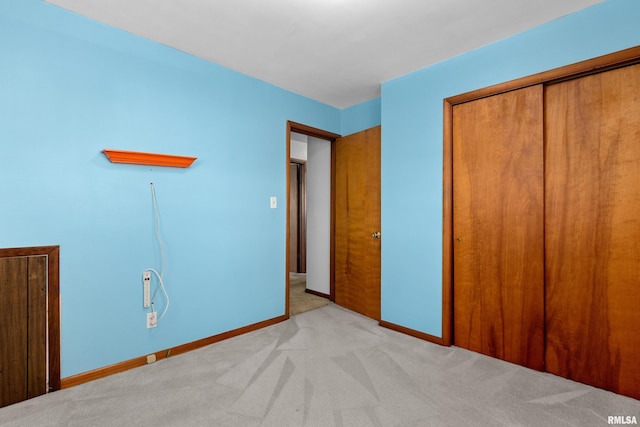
(299, 300)
(325, 367)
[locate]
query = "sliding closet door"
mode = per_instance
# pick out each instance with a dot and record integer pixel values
(498, 226)
(592, 224)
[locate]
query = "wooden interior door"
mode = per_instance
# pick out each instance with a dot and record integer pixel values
(23, 328)
(357, 219)
(498, 223)
(593, 230)
(294, 217)
(297, 217)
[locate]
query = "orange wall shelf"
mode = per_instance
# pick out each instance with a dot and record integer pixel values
(153, 159)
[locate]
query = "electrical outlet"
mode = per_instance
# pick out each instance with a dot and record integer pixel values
(152, 320)
(146, 289)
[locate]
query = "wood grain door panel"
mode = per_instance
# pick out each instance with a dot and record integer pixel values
(592, 227)
(23, 328)
(498, 226)
(294, 217)
(357, 217)
(37, 326)
(13, 330)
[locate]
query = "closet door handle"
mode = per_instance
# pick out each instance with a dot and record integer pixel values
(376, 235)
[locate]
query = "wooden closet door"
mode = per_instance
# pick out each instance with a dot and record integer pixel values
(592, 224)
(498, 226)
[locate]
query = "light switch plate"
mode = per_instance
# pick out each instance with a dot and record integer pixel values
(274, 202)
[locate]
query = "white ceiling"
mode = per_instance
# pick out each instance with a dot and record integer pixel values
(334, 51)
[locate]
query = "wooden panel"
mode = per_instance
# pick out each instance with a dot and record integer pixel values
(37, 326)
(447, 225)
(13, 330)
(357, 217)
(298, 217)
(53, 302)
(53, 314)
(498, 226)
(302, 218)
(593, 230)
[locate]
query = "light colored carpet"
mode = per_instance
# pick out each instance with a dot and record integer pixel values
(299, 300)
(325, 367)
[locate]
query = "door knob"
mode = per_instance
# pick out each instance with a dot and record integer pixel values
(376, 235)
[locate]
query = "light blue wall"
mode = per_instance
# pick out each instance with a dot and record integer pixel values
(70, 87)
(412, 142)
(360, 117)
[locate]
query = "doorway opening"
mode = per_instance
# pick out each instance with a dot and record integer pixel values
(309, 266)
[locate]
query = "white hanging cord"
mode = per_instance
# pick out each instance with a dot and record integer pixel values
(156, 217)
(161, 274)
